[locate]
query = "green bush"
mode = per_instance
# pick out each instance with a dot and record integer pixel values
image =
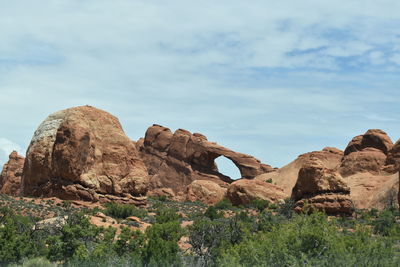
(259, 204)
(165, 215)
(212, 213)
(122, 211)
(224, 205)
(310, 240)
(35, 262)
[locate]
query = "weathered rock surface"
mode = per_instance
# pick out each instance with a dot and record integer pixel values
(175, 160)
(366, 153)
(244, 191)
(10, 178)
(374, 138)
(393, 158)
(373, 191)
(369, 159)
(322, 188)
(286, 176)
(205, 191)
(83, 153)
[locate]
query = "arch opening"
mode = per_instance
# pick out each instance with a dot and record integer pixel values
(227, 168)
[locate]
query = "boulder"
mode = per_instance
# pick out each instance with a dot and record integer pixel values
(175, 160)
(83, 153)
(243, 191)
(373, 138)
(10, 178)
(322, 188)
(205, 191)
(369, 159)
(286, 176)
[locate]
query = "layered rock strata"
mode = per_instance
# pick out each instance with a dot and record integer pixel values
(320, 188)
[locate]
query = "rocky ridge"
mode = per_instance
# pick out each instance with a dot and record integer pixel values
(82, 153)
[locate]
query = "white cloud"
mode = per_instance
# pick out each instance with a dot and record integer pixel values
(227, 68)
(6, 147)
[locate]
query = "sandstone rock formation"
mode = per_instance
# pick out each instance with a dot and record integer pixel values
(369, 159)
(322, 188)
(286, 176)
(10, 178)
(175, 160)
(393, 158)
(83, 153)
(244, 191)
(366, 153)
(205, 191)
(374, 138)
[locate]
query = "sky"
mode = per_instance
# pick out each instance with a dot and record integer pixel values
(273, 79)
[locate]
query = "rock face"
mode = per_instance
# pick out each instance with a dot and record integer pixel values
(175, 160)
(322, 188)
(286, 176)
(244, 191)
(366, 153)
(83, 153)
(374, 138)
(369, 159)
(205, 191)
(393, 158)
(10, 178)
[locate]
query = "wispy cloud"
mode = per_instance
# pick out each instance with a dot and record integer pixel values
(272, 70)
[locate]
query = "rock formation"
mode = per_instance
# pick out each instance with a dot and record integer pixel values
(393, 158)
(286, 176)
(242, 192)
(10, 178)
(366, 171)
(83, 153)
(366, 153)
(374, 138)
(205, 191)
(175, 160)
(322, 188)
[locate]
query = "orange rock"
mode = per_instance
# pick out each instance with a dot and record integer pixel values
(373, 138)
(367, 160)
(322, 188)
(10, 178)
(243, 191)
(207, 192)
(175, 160)
(83, 153)
(286, 176)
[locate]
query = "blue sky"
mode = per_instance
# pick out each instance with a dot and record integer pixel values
(273, 79)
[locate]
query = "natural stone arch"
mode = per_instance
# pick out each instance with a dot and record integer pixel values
(227, 167)
(174, 160)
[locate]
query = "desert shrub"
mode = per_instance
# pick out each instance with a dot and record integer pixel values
(286, 208)
(207, 238)
(161, 248)
(224, 204)
(269, 180)
(386, 223)
(212, 213)
(309, 240)
(35, 262)
(77, 239)
(259, 204)
(122, 211)
(165, 215)
(16, 237)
